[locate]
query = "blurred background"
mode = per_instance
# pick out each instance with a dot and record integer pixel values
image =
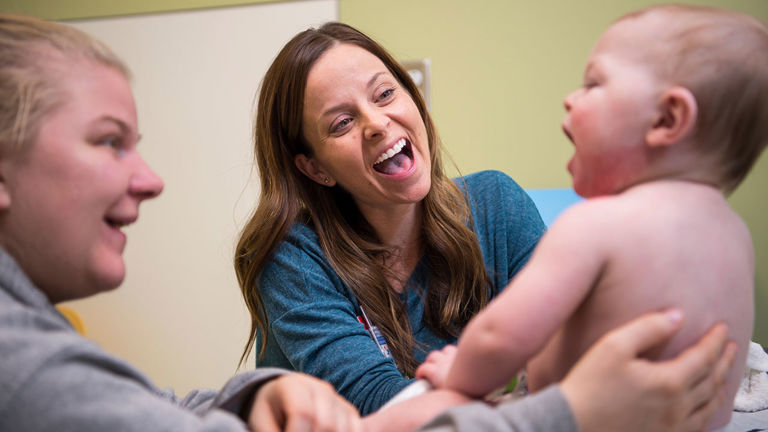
(498, 72)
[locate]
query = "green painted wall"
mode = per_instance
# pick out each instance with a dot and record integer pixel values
(500, 69)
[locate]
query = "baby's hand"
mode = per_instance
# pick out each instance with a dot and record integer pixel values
(436, 366)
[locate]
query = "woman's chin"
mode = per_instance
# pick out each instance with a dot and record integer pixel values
(107, 275)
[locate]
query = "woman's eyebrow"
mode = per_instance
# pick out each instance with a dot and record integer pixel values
(111, 119)
(334, 109)
(342, 105)
(122, 125)
(375, 77)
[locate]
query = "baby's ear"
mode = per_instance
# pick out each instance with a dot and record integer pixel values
(677, 114)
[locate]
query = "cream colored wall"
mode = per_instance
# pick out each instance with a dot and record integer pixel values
(500, 70)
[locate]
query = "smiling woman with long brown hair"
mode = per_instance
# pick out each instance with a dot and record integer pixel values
(356, 214)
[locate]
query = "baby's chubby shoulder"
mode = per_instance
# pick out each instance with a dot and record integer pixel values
(652, 209)
(597, 212)
(673, 200)
(600, 223)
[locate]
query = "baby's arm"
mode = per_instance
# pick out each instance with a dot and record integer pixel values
(563, 269)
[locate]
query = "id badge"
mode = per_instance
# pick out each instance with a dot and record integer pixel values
(375, 333)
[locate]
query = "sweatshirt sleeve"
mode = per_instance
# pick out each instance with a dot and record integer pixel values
(234, 397)
(314, 327)
(51, 379)
(545, 411)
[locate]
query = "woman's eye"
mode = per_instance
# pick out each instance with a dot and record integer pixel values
(386, 94)
(114, 142)
(590, 84)
(341, 124)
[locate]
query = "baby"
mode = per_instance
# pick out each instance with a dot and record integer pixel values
(672, 115)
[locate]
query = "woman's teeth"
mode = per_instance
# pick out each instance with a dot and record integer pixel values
(391, 152)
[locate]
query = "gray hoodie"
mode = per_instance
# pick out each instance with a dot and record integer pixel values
(52, 379)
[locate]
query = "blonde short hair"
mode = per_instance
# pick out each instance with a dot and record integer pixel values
(32, 51)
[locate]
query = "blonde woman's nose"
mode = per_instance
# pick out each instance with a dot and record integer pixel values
(145, 183)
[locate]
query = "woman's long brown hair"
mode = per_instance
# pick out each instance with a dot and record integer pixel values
(459, 285)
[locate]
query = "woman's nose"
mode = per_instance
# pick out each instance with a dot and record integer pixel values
(376, 124)
(145, 184)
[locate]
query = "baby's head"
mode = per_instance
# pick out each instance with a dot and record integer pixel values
(721, 57)
(670, 92)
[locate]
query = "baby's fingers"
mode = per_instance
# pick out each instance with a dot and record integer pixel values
(426, 371)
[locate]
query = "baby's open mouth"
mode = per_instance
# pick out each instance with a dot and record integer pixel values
(567, 133)
(396, 160)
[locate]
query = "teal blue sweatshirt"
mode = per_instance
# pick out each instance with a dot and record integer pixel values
(313, 316)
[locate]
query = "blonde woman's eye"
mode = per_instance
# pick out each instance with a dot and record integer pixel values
(115, 143)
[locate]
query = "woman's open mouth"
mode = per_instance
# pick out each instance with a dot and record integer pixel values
(398, 159)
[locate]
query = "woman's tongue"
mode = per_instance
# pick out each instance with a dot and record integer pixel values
(397, 164)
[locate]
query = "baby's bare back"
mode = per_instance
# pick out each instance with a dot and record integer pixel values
(665, 244)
